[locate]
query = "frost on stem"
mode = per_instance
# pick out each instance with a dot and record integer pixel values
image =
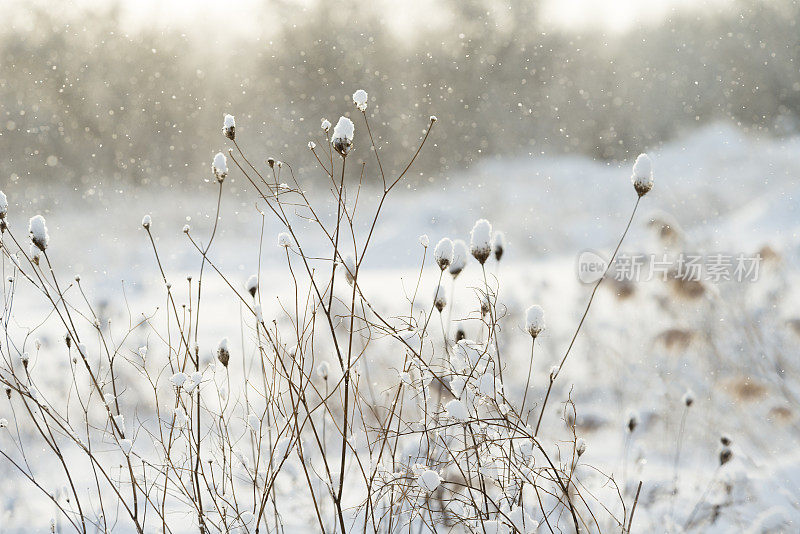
(443, 253)
(498, 245)
(223, 354)
(642, 177)
(439, 298)
(349, 267)
(229, 127)
(534, 320)
(220, 167)
(480, 240)
(38, 232)
(343, 134)
(360, 99)
(252, 285)
(460, 254)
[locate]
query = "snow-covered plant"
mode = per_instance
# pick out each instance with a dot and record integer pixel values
(642, 177)
(341, 412)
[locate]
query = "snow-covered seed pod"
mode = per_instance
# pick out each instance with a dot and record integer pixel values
(360, 99)
(460, 254)
(343, 134)
(284, 240)
(460, 334)
(220, 167)
(349, 268)
(229, 127)
(252, 285)
(322, 370)
(725, 455)
(223, 354)
(3, 205)
(485, 306)
(325, 125)
(633, 422)
(439, 298)
(688, 398)
(534, 320)
(271, 163)
(424, 240)
(642, 177)
(498, 245)
(580, 446)
(146, 221)
(35, 254)
(480, 240)
(312, 145)
(429, 480)
(443, 253)
(38, 232)
(433, 118)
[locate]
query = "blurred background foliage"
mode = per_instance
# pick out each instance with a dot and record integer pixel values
(84, 100)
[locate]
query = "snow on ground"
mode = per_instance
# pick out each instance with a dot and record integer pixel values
(731, 345)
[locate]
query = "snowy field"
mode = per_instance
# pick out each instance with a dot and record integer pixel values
(643, 346)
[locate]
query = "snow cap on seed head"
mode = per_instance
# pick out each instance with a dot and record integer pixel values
(38, 232)
(223, 354)
(443, 253)
(534, 320)
(480, 240)
(220, 166)
(642, 177)
(580, 446)
(343, 134)
(325, 125)
(252, 285)
(424, 241)
(229, 127)
(3, 205)
(688, 398)
(350, 267)
(360, 99)
(284, 240)
(146, 220)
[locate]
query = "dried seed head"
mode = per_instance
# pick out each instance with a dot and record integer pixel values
(485, 306)
(68, 340)
(186, 229)
(325, 125)
(460, 334)
(284, 240)
(229, 127)
(633, 421)
(35, 254)
(38, 232)
(271, 163)
(312, 145)
(424, 241)
(8, 392)
(349, 263)
(688, 398)
(439, 298)
(580, 446)
(534, 320)
(498, 245)
(642, 177)
(360, 99)
(220, 167)
(25, 359)
(443, 253)
(146, 220)
(725, 440)
(322, 370)
(252, 285)
(480, 244)
(223, 354)
(343, 134)
(725, 455)
(460, 255)
(3, 205)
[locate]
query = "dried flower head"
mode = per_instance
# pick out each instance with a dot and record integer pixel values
(220, 167)
(725, 455)
(3, 205)
(343, 134)
(229, 127)
(326, 125)
(312, 145)
(323, 369)
(424, 241)
(460, 334)
(460, 254)
(642, 177)
(252, 285)
(443, 253)
(688, 398)
(349, 263)
(146, 222)
(633, 421)
(360, 99)
(223, 354)
(38, 232)
(534, 320)
(498, 245)
(480, 244)
(439, 298)
(580, 446)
